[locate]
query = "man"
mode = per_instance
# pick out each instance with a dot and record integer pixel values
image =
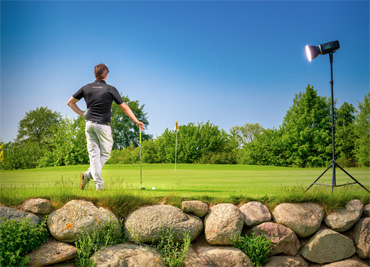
(99, 97)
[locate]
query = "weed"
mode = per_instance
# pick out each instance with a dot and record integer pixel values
(256, 247)
(88, 244)
(172, 253)
(135, 235)
(19, 238)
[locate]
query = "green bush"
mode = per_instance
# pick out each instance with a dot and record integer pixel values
(218, 158)
(17, 239)
(25, 156)
(172, 253)
(256, 247)
(88, 244)
(122, 156)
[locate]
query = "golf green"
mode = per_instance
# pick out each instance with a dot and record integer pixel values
(188, 179)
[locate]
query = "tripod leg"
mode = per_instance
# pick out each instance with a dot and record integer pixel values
(319, 177)
(353, 178)
(333, 180)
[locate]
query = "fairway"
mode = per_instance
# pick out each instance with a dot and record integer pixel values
(189, 180)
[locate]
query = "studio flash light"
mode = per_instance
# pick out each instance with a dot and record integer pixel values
(326, 48)
(312, 52)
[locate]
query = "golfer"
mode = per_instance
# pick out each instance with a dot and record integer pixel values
(99, 97)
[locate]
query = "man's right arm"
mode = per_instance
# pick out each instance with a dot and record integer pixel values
(72, 104)
(127, 110)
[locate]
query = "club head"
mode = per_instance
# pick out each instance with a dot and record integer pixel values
(142, 188)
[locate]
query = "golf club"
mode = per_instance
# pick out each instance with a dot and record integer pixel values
(141, 173)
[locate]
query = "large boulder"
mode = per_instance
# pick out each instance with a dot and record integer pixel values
(345, 218)
(201, 254)
(347, 263)
(366, 210)
(145, 224)
(68, 223)
(283, 239)
(195, 207)
(361, 234)
(304, 219)
(51, 253)
(13, 214)
(328, 246)
(286, 261)
(255, 213)
(127, 255)
(221, 223)
(37, 205)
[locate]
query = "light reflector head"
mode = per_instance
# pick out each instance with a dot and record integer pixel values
(312, 52)
(326, 48)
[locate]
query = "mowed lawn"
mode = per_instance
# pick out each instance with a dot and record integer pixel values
(189, 180)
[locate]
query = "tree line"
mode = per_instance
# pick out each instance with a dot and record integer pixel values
(304, 139)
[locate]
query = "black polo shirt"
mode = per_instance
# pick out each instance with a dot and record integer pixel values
(99, 97)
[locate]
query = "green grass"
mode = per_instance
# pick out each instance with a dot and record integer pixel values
(211, 183)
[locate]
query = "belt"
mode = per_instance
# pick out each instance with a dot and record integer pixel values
(99, 122)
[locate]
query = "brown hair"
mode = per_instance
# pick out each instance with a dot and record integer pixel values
(101, 71)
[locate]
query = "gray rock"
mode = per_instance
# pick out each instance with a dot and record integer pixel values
(366, 210)
(127, 255)
(201, 254)
(221, 223)
(195, 207)
(304, 219)
(283, 239)
(68, 223)
(37, 205)
(145, 224)
(345, 218)
(328, 246)
(255, 213)
(13, 214)
(286, 261)
(347, 263)
(51, 253)
(361, 235)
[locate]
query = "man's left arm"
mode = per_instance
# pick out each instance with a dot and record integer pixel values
(72, 104)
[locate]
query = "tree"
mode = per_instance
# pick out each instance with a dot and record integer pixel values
(345, 135)
(266, 149)
(125, 131)
(362, 129)
(68, 144)
(36, 125)
(202, 142)
(242, 135)
(305, 130)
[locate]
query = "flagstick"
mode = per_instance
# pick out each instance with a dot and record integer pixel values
(176, 152)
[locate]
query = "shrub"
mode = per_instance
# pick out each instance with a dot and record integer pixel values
(223, 157)
(88, 244)
(256, 247)
(17, 239)
(17, 156)
(172, 253)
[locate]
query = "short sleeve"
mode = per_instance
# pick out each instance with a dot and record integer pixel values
(79, 94)
(116, 96)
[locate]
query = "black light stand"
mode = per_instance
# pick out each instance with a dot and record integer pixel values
(334, 164)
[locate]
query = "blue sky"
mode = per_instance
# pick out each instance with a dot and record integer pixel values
(227, 62)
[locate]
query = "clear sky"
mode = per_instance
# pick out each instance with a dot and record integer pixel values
(227, 62)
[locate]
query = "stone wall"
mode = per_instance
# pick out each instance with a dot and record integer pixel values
(302, 234)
